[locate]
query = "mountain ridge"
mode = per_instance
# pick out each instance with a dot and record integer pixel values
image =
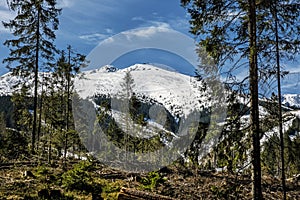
(7, 81)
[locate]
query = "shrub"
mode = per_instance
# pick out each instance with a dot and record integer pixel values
(152, 180)
(78, 178)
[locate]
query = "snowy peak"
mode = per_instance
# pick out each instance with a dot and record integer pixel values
(104, 69)
(291, 100)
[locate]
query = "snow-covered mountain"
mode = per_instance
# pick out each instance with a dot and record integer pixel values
(291, 100)
(10, 83)
(7, 81)
(178, 93)
(155, 81)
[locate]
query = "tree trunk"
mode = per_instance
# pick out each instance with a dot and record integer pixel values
(279, 102)
(68, 103)
(40, 118)
(254, 111)
(36, 72)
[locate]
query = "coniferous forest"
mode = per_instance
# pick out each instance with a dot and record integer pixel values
(52, 147)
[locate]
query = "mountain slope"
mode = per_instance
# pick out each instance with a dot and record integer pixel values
(10, 83)
(179, 94)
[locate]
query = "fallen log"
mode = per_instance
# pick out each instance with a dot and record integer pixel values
(16, 164)
(132, 194)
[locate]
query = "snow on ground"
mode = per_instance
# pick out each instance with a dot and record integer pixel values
(150, 130)
(296, 113)
(275, 131)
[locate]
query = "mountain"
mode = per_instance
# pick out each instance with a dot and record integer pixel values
(178, 93)
(156, 90)
(153, 108)
(291, 100)
(9, 83)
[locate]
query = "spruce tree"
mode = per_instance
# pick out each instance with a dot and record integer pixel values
(127, 94)
(61, 88)
(33, 29)
(69, 67)
(21, 109)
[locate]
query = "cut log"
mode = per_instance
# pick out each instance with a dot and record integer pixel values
(131, 194)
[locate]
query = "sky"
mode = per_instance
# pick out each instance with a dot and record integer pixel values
(88, 24)
(84, 24)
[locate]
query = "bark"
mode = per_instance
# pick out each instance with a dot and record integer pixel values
(36, 72)
(279, 103)
(254, 111)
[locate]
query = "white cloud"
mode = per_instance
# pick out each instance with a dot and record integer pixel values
(5, 15)
(109, 31)
(95, 37)
(65, 3)
(109, 40)
(159, 24)
(3, 4)
(137, 18)
(180, 24)
(177, 23)
(157, 27)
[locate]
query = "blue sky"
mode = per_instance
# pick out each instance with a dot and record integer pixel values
(84, 24)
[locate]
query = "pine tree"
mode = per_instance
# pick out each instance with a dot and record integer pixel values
(60, 91)
(234, 143)
(21, 109)
(67, 68)
(33, 28)
(127, 87)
